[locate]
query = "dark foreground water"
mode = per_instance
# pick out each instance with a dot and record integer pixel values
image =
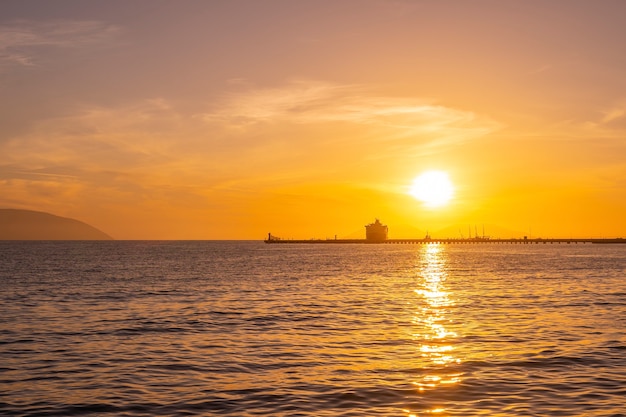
(245, 329)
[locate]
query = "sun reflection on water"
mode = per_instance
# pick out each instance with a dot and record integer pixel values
(434, 338)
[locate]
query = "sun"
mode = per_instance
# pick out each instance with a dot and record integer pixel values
(433, 188)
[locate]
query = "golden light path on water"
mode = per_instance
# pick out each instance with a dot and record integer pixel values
(434, 340)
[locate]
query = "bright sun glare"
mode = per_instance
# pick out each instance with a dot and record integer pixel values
(433, 188)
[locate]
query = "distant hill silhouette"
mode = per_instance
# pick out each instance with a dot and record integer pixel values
(36, 225)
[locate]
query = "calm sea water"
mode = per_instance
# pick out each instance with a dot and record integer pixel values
(248, 329)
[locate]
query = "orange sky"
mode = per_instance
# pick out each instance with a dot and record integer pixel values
(231, 119)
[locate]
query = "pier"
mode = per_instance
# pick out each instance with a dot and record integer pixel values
(470, 241)
(376, 233)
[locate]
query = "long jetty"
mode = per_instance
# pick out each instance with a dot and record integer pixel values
(525, 241)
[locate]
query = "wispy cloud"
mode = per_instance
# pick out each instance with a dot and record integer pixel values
(295, 128)
(21, 41)
(251, 143)
(98, 138)
(260, 126)
(608, 122)
(312, 102)
(301, 101)
(614, 114)
(541, 69)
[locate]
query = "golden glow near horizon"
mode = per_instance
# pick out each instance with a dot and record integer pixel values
(182, 127)
(433, 188)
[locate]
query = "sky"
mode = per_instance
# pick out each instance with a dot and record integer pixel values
(229, 119)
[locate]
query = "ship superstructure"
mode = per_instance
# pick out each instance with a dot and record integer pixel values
(376, 232)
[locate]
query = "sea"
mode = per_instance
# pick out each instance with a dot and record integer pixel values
(243, 328)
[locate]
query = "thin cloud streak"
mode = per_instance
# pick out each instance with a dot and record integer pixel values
(310, 102)
(20, 40)
(614, 114)
(154, 136)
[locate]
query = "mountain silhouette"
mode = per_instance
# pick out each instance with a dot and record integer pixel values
(18, 224)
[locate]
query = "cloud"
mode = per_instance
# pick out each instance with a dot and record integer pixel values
(277, 133)
(21, 41)
(103, 160)
(541, 69)
(614, 114)
(250, 143)
(312, 102)
(300, 100)
(98, 138)
(275, 125)
(144, 151)
(607, 123)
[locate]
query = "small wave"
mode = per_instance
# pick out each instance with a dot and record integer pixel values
(226, 313)
(66, 410)
(555, 362)
(17, 341)
(130, 331)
